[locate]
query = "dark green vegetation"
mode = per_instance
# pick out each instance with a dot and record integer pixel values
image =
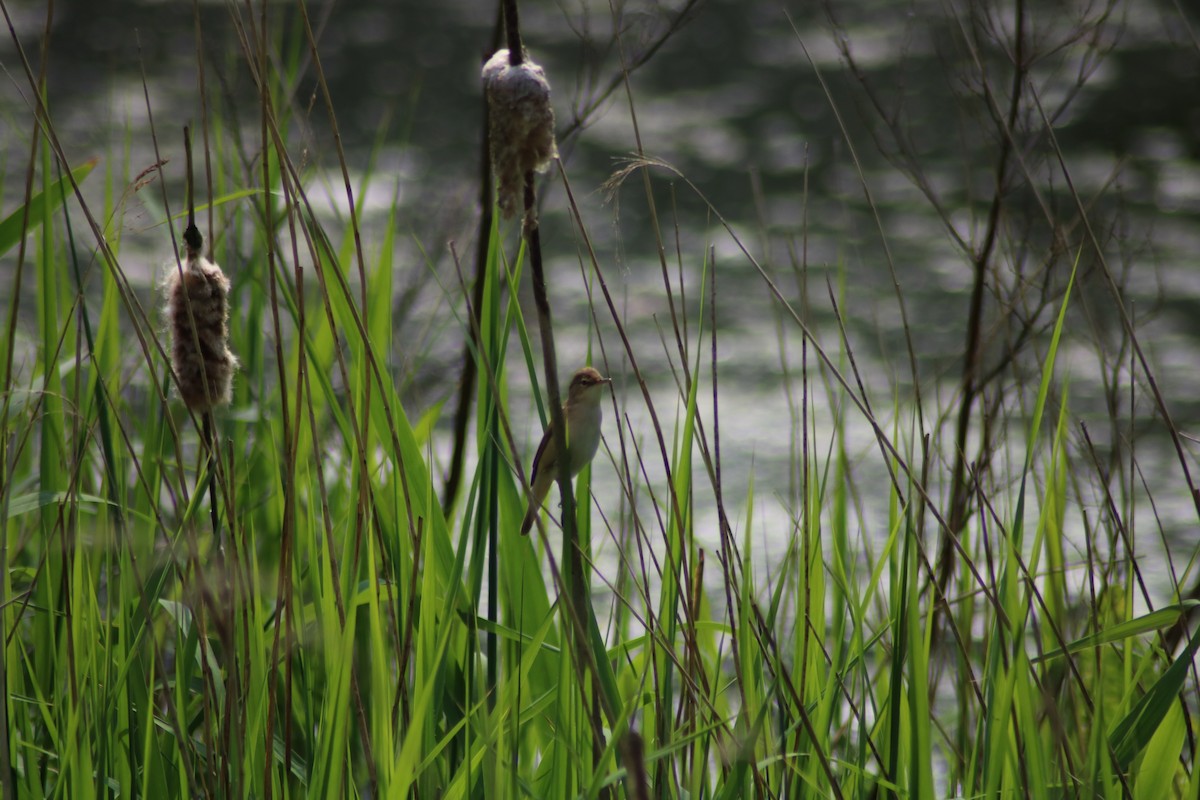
(968, 593)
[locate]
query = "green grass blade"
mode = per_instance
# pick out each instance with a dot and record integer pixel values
(40, 207)
(1134, 731)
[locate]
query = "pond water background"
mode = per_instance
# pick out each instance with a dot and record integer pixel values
(732, 99)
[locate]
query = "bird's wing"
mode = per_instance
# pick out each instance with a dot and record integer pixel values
(537, 457)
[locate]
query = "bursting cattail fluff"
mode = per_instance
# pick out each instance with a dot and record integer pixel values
(520, 124)
(205, 374)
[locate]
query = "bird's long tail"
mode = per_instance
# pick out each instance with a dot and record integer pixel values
(530, 517)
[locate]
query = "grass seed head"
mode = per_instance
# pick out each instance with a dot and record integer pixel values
(521, 124)
(205, 374)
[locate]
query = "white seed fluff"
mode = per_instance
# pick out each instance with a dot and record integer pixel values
(521, 124)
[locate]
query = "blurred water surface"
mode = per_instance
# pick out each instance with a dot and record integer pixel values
(733, 100)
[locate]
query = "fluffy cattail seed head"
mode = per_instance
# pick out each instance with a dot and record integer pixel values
(520, 124)
(198, 314)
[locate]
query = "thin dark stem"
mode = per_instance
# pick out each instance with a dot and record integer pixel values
(545, 324)
(550, 361)
(633, 749)
(191, 235)
(960, 486)
(512, 30)
(191, 190)
(208, 181)
(195, 243)
(210, 444)
(466, 386)
(576, 587)
(281, 641)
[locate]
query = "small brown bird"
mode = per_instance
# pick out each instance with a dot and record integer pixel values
(582, 413)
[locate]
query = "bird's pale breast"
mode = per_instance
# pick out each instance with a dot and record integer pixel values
(584, 439)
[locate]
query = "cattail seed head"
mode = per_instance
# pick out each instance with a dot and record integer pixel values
(520, 124)
(198, 314)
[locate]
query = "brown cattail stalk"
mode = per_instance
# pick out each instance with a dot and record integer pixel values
(197, 294)
(198, 310)
(198, 313)
(520, 124)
